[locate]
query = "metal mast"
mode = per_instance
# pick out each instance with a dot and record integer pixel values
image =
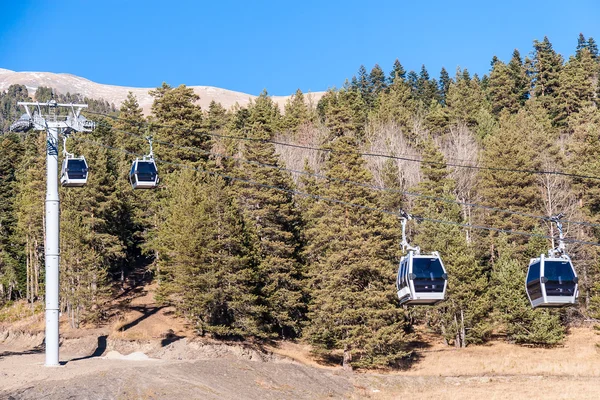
(54, 123)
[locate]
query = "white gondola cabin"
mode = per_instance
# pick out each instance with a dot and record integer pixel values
(422, 279)
(74, 172)
(551, 282)
(143, 174)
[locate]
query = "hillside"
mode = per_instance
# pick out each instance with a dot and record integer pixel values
(145, 352)
(67, 83)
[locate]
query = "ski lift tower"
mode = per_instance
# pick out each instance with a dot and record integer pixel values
(46, 117)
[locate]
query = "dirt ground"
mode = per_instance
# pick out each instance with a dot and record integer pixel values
(148, 353)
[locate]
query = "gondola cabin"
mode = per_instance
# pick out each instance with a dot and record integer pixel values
(551, 282)
(143, 174)
(74, 172)
(422, 279)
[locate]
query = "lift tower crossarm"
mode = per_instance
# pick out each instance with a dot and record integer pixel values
(54, 125)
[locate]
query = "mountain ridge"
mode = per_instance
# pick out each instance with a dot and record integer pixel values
(68, 83)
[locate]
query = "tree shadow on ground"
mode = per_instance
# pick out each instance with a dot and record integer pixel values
(146, 312)
(100, 349)
(35, 350)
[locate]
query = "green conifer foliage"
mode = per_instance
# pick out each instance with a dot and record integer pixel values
(296, 112)
(352, 265)
(89, 243)
(205, 259)
(502, 89)
(272, 218)
(444, 85)
(11, 152)
(521, 323)
(396, 105)
(465, 98)
(344, 112)
(576, 86)
(512, 146)
(463, 316)
(29, 232)
(397, 72)
(519, 76)
(544, 69)
(377, 82)
(179, 121)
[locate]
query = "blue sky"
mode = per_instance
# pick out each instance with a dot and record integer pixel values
(281, 46)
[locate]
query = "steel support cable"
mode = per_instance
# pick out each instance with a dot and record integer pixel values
(388, 156)
(336, 201)
(365, 185)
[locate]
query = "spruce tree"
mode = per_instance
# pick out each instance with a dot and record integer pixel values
(502, 90)
(11, 151)
(377, 82)
(465, 98)
(576, 86)
(180, 122)
(544, 69)
(444, 85)
(512, 309)
(271, 217)
(296, 112)
(351, 262)
(519, 76)
(463, 316)
(206, 260)
(397, 73)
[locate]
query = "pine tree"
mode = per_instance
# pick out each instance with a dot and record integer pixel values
(397, 73)
(463, 316)
(592, 46)
(351, 258)
(581, 44)
(444, 85)
(343, 112)
(514, 147)
(11, 151)
(296, 112)
(273, 220)
(89, 243)
(427, 88)
(133, 212)
(544, 69)
(502, 89)
(180, 122)
(512, 308)
(465, 98)
(576, 86)
(519, 76)
(205, 258)
(396, 105)
(377, 82)
(29, 232)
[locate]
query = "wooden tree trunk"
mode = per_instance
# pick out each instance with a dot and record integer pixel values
(347, 360)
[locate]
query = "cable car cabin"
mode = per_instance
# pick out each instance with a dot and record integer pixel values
(551, 282)
(74, 172)
(422, 279)
(144, 174)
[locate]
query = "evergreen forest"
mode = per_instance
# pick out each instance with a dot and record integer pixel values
(276, 223)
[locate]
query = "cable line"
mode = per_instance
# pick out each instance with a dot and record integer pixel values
(336, 201)
(365, 185)
(379, 155)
